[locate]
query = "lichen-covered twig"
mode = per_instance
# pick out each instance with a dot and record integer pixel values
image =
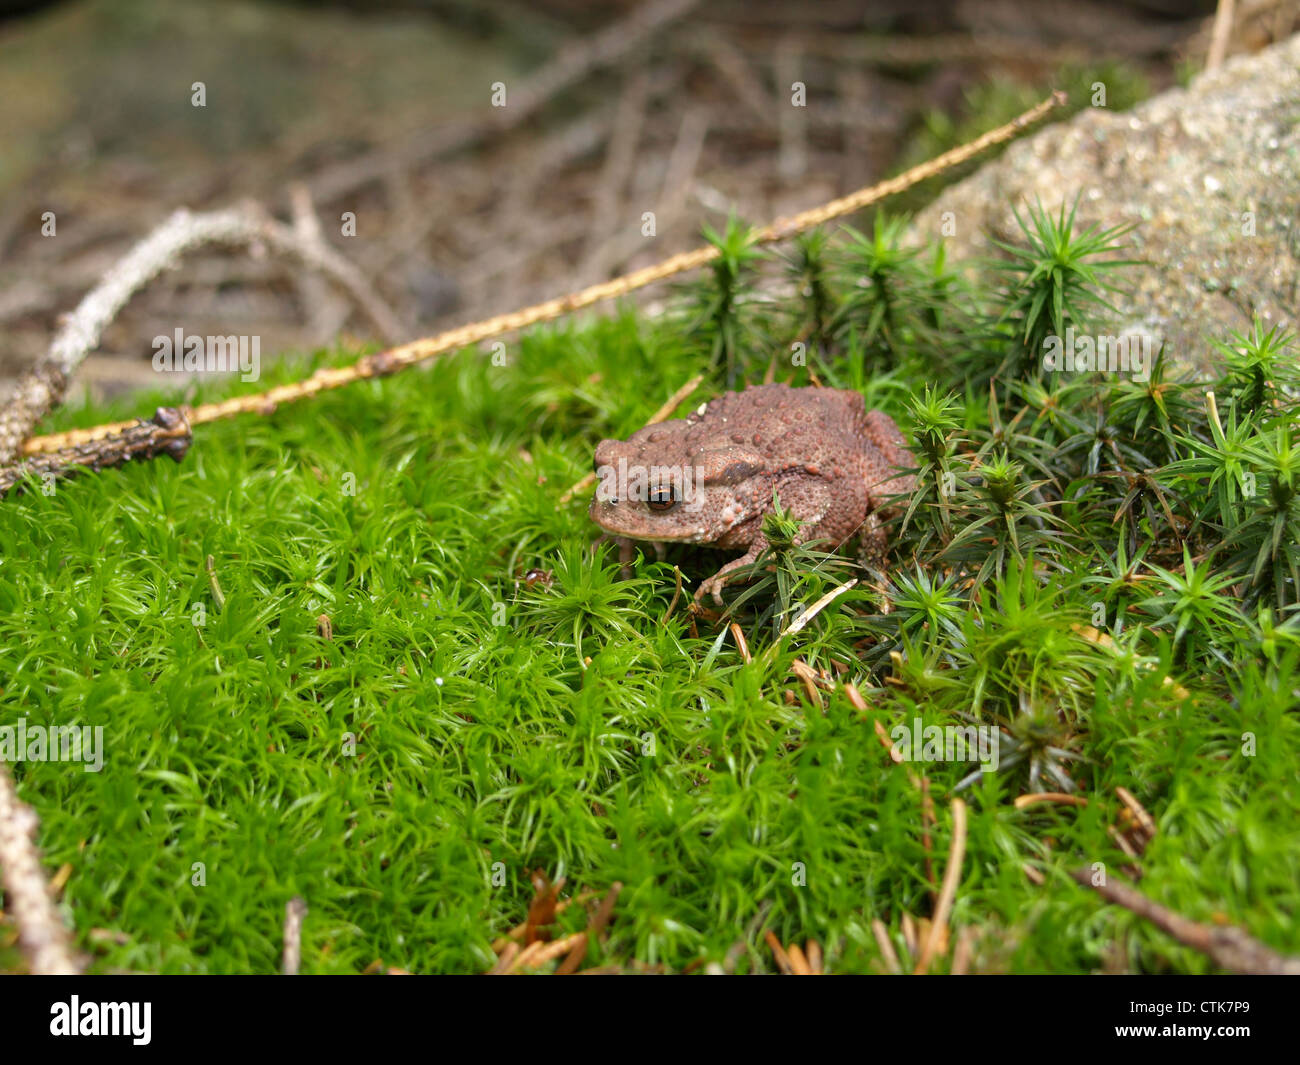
(294, 912)
(43, 387)
(41, 935)
(419, 351)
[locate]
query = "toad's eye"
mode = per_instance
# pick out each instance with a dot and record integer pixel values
(663, 497)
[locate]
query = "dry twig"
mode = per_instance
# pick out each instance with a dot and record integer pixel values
(166, 433)
(41, 935)
(294, 912)
(1227, 946)
(43, 387)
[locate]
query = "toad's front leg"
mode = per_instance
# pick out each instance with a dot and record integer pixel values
(807, 502)
(713, 586)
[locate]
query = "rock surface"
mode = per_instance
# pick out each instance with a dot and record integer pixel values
(1210, 175)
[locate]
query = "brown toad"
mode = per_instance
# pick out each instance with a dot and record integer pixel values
(709, 478)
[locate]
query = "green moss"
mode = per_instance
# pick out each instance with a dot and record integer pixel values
(464, 725)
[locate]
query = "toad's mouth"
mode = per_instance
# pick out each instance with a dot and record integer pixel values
(634, 524)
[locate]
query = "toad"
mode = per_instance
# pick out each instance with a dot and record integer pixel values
(709, 478)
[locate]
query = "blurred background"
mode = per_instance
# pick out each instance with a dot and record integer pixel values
(464, 209)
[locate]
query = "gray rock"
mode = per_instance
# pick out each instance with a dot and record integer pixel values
(1211, 177)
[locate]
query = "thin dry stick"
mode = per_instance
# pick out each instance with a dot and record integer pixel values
(167, 433)
(1220, 35)
(620, 160)
(886, 947)
(1227, 946)
(294, 912)
(793, 157)
(418, 351)
(523, 99)
(43, 387)
(683, 162)
(325, 311)
(42, 938)
(951, 878)
(735, 67)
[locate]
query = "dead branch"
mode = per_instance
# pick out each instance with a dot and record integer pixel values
(166, 433)
(607, 215)
(1228, 947)
(792, 162)
(41, 935)
(44, 386)
(322, 308)
(1221, 34)
(735, 68)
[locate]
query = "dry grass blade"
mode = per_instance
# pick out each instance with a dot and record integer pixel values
(886, 947)
(742, 645)
(779, 953)
(951, 878)
(801, 622)
(1049, 796)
